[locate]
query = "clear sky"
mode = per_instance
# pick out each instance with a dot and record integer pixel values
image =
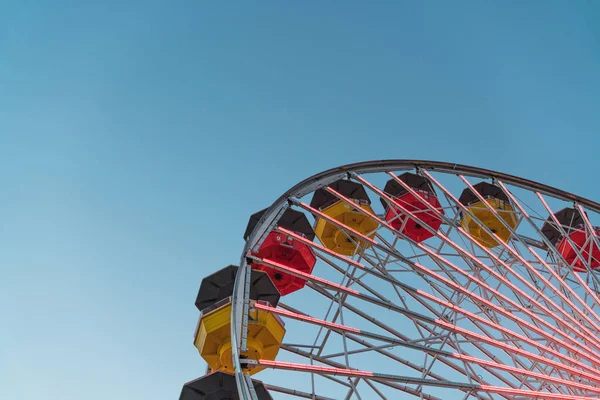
(136, 137)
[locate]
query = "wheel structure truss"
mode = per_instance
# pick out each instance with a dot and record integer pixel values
(447, 317)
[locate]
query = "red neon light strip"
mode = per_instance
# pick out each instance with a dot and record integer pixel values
(498, 344)
(306, 318)
(453, 244)
(541, 377)
(319, 247)
(518, 336)
(458, 248)
(533, 288)
(348, 260)
(527, 265)
(303, 275)
(367, 374)
(532, 315)
(553, 273)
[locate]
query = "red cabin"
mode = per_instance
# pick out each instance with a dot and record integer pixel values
(415, 204)
(285, 250)
(584, 244)
(572, 223)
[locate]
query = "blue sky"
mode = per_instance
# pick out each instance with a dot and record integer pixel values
(137, 137)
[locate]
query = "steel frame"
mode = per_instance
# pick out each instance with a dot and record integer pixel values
(548, 349)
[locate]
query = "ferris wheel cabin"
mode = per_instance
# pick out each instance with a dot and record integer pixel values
(336, 239)
(419, 202)
(213, 333)
(496, 221)
(219, 386)
(575, 239)
(286, 250)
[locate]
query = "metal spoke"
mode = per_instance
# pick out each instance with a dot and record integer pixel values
(451, 315)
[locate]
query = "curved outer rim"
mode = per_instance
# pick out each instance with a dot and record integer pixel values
(324, 178)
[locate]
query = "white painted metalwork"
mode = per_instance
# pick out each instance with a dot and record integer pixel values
(447, 318)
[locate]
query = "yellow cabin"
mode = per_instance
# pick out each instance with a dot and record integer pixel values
(496, 199)
(340, 240)
(213, 341)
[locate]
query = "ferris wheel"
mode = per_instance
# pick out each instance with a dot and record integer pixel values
(408, 279)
